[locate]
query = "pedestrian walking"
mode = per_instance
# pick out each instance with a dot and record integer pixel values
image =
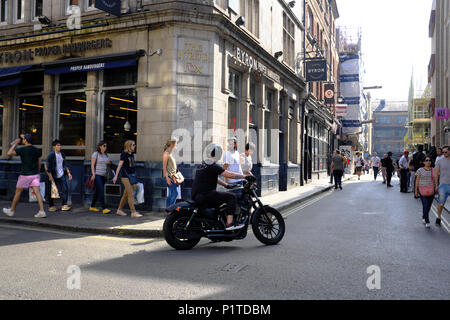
(232, 160)
(129, 180)
(331, 167)
(404, 168)
(170, 170)
(57, 170)
(388, 163)
(439, 155)
(29, 175)
(425, 189)
(246, 159)
(358, 165)
(442, 181)
(433, 155)
(99, 168)
(383, 168)
(375, 162)
(337, 167)
(417, 163)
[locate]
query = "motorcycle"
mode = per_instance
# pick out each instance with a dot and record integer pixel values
(187, 222)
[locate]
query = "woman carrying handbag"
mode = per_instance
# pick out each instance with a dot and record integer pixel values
(425, 189)
(170, 171)
(99, 168)
(128, 178)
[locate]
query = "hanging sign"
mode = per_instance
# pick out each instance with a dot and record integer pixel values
(111, 6)
(316, 70)
(442, 113)
(329, 93)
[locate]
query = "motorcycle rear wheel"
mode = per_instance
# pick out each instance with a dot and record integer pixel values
(174, 232)
(269, 227)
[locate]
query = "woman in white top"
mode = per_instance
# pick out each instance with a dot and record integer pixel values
(232, 160)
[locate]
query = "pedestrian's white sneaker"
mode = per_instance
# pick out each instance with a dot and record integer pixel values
(423, 221)
(8, 212)
(427, 225)
(40, 214)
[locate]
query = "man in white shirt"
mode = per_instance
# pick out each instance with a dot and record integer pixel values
(232, 160)
(404, 168)
(440, 155)
(375, 162)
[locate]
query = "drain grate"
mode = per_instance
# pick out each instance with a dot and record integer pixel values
(234, 268)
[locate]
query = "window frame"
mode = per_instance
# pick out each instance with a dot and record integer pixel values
(34, 16)
(15, 11)
(288, 40)
(88, 7)
(6, 14)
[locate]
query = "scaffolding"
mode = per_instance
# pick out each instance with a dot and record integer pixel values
(349, 42)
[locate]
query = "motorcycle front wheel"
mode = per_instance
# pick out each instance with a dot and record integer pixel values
(268, 227)
(176, 234)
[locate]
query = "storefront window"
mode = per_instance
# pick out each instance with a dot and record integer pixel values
(120, 77)
(31, 110)
(72, 123)
(233, 104)
(1, 122)
(253, 114)
(120, 118)
(72, 81)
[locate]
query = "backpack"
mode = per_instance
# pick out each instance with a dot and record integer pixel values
(416, 160)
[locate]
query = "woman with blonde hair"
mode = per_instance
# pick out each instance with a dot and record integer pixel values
(169, 170)
(128, 178)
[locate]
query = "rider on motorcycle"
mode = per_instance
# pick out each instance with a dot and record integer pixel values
(205, 184)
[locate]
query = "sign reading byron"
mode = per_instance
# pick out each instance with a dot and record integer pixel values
(76, 47)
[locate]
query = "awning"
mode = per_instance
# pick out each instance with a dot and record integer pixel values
(12, 75)
(126, 59)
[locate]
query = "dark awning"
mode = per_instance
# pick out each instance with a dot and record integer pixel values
(12, 75)
(93, 63)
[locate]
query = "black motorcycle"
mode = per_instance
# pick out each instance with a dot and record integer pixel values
(187, 222)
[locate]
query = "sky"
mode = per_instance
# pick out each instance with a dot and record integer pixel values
(394, 43)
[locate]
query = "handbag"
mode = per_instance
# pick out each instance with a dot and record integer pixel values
(90, 184)
(54, 191)
(427, 191)
(132, 177)
(178, 178)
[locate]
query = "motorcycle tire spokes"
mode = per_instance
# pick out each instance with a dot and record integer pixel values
(268, 225)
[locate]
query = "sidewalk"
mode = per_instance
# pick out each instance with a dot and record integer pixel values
(150, 225)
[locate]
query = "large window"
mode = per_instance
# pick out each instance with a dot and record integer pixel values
(1, 122)
(401, 119)
(72, 123)
(253, 114)
(250, 10)
(3, 11)
(268, 122)
(30, 117)
(120, 107)
(310, 23)
(233, 101)
(72, 113)
(30, 106)
(384, 119)
(19, 12)
(37, 8)
(288, 40)
(120, 120)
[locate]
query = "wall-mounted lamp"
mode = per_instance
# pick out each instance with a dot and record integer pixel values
(291, 4)
(44, 20)
(278, 54)
(158, 52)
(240, 21)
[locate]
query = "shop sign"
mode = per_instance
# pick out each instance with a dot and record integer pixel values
(193, 56)
(111, 6)
(28, 55)
(442, 113)
(341, 110)
(316, 70)
(329, 93)
(254, 64)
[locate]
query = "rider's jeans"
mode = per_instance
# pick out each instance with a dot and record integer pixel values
(215, 199)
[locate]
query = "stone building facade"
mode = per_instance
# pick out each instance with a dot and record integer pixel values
(183, 68)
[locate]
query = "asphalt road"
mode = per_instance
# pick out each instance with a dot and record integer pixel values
(330, 243)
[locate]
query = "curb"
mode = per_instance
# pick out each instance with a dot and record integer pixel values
(142, 233)
(150, 233)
